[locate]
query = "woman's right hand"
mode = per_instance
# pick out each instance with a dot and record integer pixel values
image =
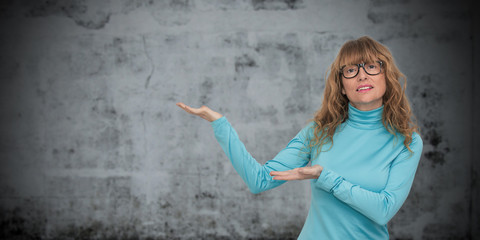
(203, 112)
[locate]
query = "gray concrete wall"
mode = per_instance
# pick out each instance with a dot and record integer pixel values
(475, 171)
(93, 146)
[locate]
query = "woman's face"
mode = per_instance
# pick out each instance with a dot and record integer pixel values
(365, 92)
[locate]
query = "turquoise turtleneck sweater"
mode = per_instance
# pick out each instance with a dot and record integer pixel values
(367, 174)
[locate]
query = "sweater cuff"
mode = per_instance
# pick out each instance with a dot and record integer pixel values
(219, 122)
(328, 180)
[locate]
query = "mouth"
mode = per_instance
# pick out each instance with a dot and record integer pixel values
(364, 88)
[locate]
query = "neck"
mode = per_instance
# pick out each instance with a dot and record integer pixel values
(371, 119)
(367, 106)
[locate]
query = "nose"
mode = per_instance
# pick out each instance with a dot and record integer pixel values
(362, 75)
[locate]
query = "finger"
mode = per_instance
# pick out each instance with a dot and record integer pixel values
(287, 178)
(188, 109)
(180, 104)
(280, 173)
(280, 178)
(183, 106)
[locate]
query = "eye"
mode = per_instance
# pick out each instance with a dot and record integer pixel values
(350, 69)
(371, 66)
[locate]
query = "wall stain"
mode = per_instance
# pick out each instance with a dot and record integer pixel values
(238, 40)
(433, 137)
(205, 91)
(203, 195)
(293, 54)
(165, 204)
(163, 116)
(120, 55)
(381, 3)
(128, 53)
(54, 7)
(404, 19)
(277, 4)
(93, 24)
(19, 223)
(171, 12)
(65, 157)
(431, 127)
(99, 230)
(111, 136)
(181, 5)
(78, 11)
(132, 5)
(152, 66)
(324, 42)
(102, 108)
(437, 157)
(244, 62)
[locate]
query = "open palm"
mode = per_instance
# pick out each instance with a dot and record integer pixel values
(203, 112)
(312, 172)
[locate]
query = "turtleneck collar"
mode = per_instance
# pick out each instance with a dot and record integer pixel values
(365, 119)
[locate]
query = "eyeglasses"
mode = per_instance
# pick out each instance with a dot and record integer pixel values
(351, 71)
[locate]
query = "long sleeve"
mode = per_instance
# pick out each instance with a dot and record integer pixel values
(383, 205)
(255, 175)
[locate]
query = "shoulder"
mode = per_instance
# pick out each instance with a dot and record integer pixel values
(416, 143)
(308, 130)
(310, 126)
(306, 133)
(416, 140)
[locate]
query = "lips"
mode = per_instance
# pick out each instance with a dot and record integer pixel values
(363, 88)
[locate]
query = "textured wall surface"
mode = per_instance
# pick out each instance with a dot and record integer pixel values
(93, 146)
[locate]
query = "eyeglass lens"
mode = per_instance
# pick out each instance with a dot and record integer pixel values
(351, 71)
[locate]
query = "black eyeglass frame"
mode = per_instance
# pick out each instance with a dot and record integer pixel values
(358, 69)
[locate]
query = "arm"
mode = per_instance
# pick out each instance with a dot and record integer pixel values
(378, 206)
(255, 175)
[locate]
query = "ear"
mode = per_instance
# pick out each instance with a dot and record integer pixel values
(343, 91)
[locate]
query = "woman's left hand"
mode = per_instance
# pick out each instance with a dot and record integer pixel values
(312, 172)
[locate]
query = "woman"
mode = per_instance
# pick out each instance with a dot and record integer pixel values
(362, 144)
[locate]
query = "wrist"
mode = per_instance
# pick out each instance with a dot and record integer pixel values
(215, 116)
(319, 170)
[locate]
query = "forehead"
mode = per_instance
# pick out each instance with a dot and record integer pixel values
(357, 54)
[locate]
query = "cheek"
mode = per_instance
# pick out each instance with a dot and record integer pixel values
(343, 86)
(346, 87)
(382, 84)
